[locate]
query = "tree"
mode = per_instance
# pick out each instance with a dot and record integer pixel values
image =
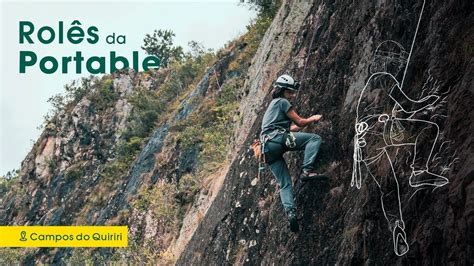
(265, 8)
(197, 49)
(160, 44)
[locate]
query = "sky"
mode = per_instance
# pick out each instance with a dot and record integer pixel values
(23, 97)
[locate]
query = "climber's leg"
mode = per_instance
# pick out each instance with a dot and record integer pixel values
(383, 173)
(426, 135)
(274, 151)
(281, 173)
(310, 143)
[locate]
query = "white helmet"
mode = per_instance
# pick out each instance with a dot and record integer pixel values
(287, 82)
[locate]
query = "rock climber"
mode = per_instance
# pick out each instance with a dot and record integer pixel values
(381, 130)
(279, 121)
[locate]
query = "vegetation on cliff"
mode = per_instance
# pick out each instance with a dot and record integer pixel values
(205, 133)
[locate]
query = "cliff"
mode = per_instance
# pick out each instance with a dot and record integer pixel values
(334, 50)
(139, 149)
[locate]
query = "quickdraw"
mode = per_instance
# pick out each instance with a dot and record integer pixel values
(262, 160)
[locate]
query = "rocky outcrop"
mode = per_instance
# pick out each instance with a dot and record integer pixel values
(91, 165)
(276, 50)
(340, 224)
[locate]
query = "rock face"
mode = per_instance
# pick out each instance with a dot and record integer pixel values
(340, 224)
(73, 144)
(85, 169)
(275, 50)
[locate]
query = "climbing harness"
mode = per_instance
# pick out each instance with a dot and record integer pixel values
(290, 140)
(258, 145)
(359, 142)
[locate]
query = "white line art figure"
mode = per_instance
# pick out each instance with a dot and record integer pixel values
(384, 115)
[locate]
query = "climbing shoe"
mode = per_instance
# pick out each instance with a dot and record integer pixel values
(309, 175)
(293, 221)
(425, 178)
(400, 245)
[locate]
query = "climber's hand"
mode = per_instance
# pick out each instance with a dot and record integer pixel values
(430, 99)
(315, 118)
(295, 128)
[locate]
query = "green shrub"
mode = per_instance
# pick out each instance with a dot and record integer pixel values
(128, 149)
(147, 106)
(12, 256)
(161, 200)
(74, 172)
(7, 181)
(105, 95)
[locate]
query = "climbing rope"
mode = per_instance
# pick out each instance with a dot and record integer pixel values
(307, 56)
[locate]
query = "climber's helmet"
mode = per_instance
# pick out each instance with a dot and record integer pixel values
(287, 82)
(390, 57)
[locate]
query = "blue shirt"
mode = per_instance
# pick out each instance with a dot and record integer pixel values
(276, 117)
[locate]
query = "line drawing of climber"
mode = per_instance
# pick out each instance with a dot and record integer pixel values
(385, 113)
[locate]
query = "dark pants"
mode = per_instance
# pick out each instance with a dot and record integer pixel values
(274, 151)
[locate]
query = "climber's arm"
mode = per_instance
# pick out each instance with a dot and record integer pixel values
(408, 104)
(300, 121)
